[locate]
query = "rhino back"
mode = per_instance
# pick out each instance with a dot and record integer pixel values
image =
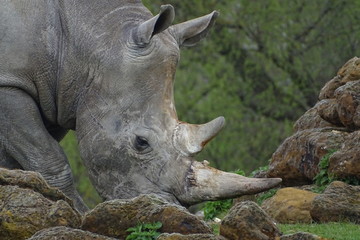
(29, 43)
(46, 48)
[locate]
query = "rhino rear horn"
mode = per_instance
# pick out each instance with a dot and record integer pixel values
(191, 138)
(146, 30)
(190, 32)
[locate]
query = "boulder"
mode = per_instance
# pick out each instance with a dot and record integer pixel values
(112, 218)
(347, 103)
(345, 163)
(290, 205)
(328, 90)
(31, 180)
(339, 202)
(350, 71)
(340, 97)
(247, 221)
(311, 119)
(301, 236)
(177, 236)
(327, 110)
(332, 124)
(296, 160)
(24, 211)
(68, 234)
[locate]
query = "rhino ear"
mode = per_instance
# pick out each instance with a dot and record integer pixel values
(146, 30)
(190, 32)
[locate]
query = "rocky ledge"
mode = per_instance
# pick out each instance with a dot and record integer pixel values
(31, 209)
(331, 126)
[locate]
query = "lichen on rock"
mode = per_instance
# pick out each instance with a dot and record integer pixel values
(112, 218)
(24, 211)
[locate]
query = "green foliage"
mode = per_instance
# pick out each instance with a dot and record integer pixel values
(239, 172)
(323, 178)
(216, 208)
(338, 231)
(352, 180)
(260, 169)
(263, 196)
(215, 228)
(144, 231)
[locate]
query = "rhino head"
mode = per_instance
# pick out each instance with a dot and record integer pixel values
(129, 135)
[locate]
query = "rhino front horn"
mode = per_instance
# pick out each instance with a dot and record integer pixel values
(204, 183)
(191, 138)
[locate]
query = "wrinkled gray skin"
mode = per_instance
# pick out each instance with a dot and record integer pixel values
(105, 69)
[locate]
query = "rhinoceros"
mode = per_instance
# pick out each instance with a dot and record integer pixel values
(106, 70)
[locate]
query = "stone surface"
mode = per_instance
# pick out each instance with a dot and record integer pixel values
(177, 236)
(329, 88)
(296, 160)
(311, 119)
(112, 218)
(247, 221)
(332, 124)
(24, 211)
(32, 180)
(327, 110)
(67, 233)
(345, 163)
(301, 236)
(290, 205)
(245, 198)
(339, 202)
(350, 71)
(347, 102)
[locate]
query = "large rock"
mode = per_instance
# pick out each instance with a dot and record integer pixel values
(339, 202)
(67, 233)
(247, 221)
(345, 163)
(347, 104)
(327, 110)
(328, 90)
(350, 71)
(112, 218)
(332, 124)
(290, 205)
(177, 236)
(24, 211)
(31, 180)
(296, 160)
(311, 119)
(342, 96)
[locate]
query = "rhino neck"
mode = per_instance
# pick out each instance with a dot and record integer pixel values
(88, 32)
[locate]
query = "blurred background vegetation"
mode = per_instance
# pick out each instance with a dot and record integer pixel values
(261, 67)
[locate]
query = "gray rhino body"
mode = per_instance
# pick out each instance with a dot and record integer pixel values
(105, 69)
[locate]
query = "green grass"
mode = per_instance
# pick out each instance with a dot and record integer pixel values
(144, 231)
(333, 231)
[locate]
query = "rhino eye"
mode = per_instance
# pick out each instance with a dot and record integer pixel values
(141, 143)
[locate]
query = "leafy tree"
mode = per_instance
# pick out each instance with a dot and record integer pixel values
(261, 67)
